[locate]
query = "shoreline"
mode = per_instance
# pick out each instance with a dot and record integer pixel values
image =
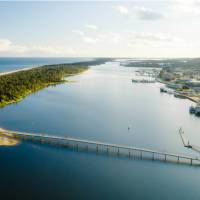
(178, 93)
(6, 140)
(17, 70)
(42, 86)
(17, 84)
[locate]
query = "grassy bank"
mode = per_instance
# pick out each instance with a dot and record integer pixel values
(15, 86)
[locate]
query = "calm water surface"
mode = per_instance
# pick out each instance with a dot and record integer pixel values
(99, 105)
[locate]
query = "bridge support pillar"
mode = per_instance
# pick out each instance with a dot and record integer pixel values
(67, 144)
(140, 154)
(129, 153)
(152, 156)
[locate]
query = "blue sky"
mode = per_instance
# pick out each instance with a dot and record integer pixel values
(94, 29)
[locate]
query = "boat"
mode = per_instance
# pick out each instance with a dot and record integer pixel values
(163, 90)
(192, 109)
(134, 81)
(197, 111)
(142, 81)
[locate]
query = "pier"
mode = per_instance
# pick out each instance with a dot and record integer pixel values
(185, 141)
(104, 148)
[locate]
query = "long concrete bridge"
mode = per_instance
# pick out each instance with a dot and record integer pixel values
(106, 148)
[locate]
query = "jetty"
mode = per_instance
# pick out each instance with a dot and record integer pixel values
(185, 141)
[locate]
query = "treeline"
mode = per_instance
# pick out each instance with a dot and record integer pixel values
(183, 63)
(15, 86)
(95, 61)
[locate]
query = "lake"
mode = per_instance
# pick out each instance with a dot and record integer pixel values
(99, 104)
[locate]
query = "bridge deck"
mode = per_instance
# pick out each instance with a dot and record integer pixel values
(98, 144)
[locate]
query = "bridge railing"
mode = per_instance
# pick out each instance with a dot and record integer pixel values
(108, 148)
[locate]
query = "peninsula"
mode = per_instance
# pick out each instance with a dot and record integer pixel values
(17, 85)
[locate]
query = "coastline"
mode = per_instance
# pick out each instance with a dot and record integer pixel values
(28, 92)
(178, 93)
(6, 140)
(18, 70)
(17, 84)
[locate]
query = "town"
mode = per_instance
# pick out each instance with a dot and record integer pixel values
(183, 76)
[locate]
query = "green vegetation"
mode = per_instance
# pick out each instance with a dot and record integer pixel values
(183, 63)
(15, 86)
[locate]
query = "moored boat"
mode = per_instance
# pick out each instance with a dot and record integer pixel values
(163, 90)
(197, 111)
(192, 109)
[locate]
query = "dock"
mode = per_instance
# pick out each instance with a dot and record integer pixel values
(105, 148)
(185, 141)
(143, 81)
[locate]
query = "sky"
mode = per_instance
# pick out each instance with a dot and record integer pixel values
(149, 28)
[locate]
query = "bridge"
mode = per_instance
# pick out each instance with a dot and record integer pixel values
(106, 148)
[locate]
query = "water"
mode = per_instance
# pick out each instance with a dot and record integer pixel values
(99, 105)
(9, 64)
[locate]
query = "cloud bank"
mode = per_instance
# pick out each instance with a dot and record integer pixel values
(8, 47)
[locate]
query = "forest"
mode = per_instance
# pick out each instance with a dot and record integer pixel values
(15, 86)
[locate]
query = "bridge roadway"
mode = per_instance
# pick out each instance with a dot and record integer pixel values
(120, 149)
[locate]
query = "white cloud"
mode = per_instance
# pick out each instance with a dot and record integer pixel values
(129, 38)
(85, 37)
(107, 43)
(78, 32)
(105, 37)
(57, 51)
(4, 44)
(147, 13)
(197, 2)
(91, 27)
(186, 6)
(90, 40)
(115, 38)
(147, 38)
(7, 47)
(122, 9)
(112, 37)
(142, 13)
